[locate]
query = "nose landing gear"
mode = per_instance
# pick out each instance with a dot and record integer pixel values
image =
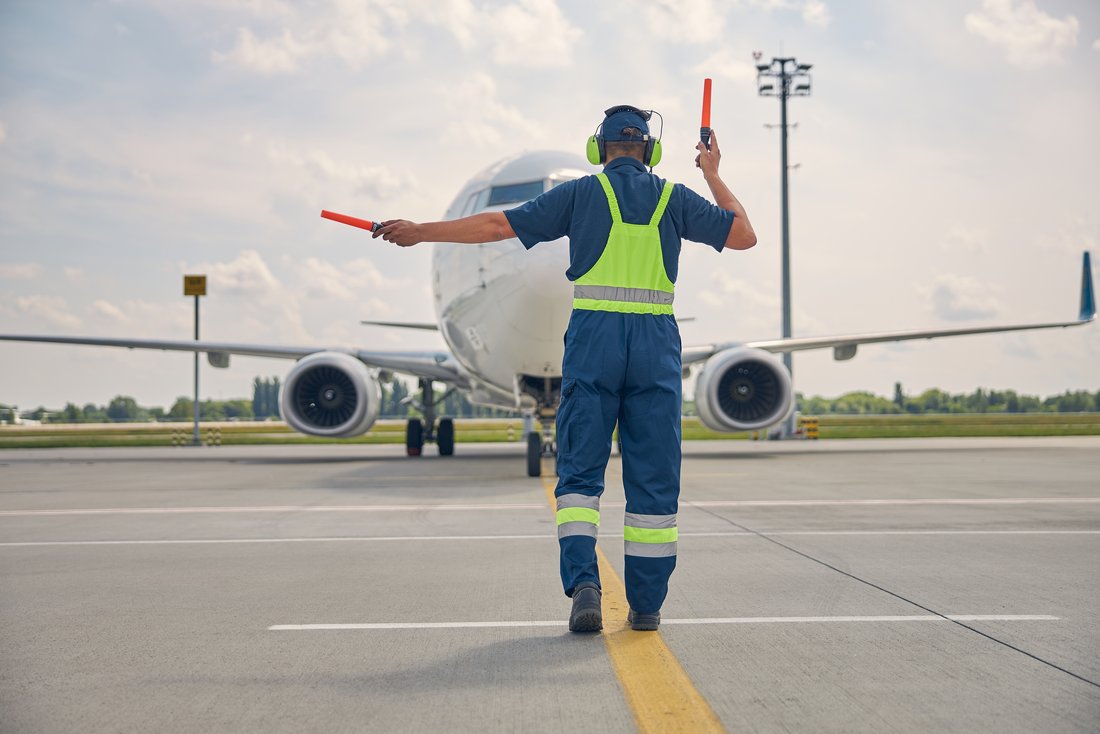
(421, 431)
(541, 442)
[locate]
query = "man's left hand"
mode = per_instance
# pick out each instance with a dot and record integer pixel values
(400, 232)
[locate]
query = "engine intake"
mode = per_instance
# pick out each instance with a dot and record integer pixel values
(742, 389)
(330, 394)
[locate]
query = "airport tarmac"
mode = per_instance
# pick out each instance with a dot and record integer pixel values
(843, 586)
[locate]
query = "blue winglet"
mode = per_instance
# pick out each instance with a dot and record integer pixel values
(1088, 295)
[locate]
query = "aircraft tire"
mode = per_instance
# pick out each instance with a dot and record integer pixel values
(534, 454)
(446, 437)
(414, 437)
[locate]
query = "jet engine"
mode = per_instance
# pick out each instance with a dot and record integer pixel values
(742, 389)
(330, 394)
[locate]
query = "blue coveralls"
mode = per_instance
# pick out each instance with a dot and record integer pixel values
(620, 368)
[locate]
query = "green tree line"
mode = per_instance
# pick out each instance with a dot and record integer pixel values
(264, 404)
(935, 400)
(396, 404)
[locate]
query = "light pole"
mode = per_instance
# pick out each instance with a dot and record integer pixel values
(783, 78)
(195, 285)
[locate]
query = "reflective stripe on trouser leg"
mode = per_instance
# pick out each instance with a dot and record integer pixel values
(650, 536)
(578, 523)
(650, 549)
(578, 514)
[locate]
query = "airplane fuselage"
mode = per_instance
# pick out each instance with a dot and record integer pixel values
(503, 309)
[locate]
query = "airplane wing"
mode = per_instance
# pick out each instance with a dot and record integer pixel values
(844, 345)
(403, 325)
(434, 365)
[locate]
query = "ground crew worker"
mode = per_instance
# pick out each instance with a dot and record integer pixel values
(622, 348)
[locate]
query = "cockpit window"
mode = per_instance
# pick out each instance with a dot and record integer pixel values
(514, 193)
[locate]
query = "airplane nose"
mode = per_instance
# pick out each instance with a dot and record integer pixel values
(538, 303)
(545, 266)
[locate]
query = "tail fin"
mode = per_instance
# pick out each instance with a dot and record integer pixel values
(1088, 294)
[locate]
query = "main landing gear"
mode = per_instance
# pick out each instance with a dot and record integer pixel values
(421, 431)
(540, 442)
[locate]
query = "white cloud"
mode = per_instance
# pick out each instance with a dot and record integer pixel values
(1072, 235)
(50, 309)
(962, 298)
(3, 133)
(527, 33)
(724, 64)
(376, 182)
(969, 239)
(1029, 37)
(72, 274)
(146, 318)
(1019, 345)
(728, 290)
(353, 32)
(460, 17)
(110, 310)
(816, 13)
(691, 21)
(346, 282)
(271, 56)
(478, 117)
(262, 306)
(1096, 45)
(20, 271)
(532, 33)
(246, 275)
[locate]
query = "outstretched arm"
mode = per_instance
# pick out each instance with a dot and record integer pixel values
(476, 229)
(741, 236)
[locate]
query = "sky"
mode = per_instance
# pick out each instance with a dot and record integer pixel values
(948, 173)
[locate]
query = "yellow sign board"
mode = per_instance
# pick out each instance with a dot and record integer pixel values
(194, 285)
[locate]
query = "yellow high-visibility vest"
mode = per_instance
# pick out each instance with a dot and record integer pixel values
(630, 275)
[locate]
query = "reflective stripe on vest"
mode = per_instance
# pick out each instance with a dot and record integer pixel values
(626, 295)
(630, 275)
(650, 536)
(578, 514)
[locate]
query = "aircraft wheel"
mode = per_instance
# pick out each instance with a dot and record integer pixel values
(534, 454)
(446, 437)
(414, 437)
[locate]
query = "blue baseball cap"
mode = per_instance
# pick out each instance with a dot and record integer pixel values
(620, 117)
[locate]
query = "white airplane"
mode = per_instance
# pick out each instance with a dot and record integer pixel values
(502, 311)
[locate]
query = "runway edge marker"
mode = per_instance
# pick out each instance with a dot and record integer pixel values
(657, 689)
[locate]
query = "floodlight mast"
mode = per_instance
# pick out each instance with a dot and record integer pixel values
(784, 77)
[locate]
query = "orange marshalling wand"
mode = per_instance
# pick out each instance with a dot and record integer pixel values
(353, 221)
(704, 123)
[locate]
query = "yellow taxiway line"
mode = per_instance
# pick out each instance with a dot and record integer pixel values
(657, 689)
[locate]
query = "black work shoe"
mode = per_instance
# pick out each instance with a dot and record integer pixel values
(587, 614)
(643, 622)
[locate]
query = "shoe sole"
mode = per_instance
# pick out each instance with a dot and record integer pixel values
(590, 621)
(643, 622)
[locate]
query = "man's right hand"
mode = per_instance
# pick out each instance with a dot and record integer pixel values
(400, 232)
(708, 160)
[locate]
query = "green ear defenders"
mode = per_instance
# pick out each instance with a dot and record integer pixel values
(596, 150)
